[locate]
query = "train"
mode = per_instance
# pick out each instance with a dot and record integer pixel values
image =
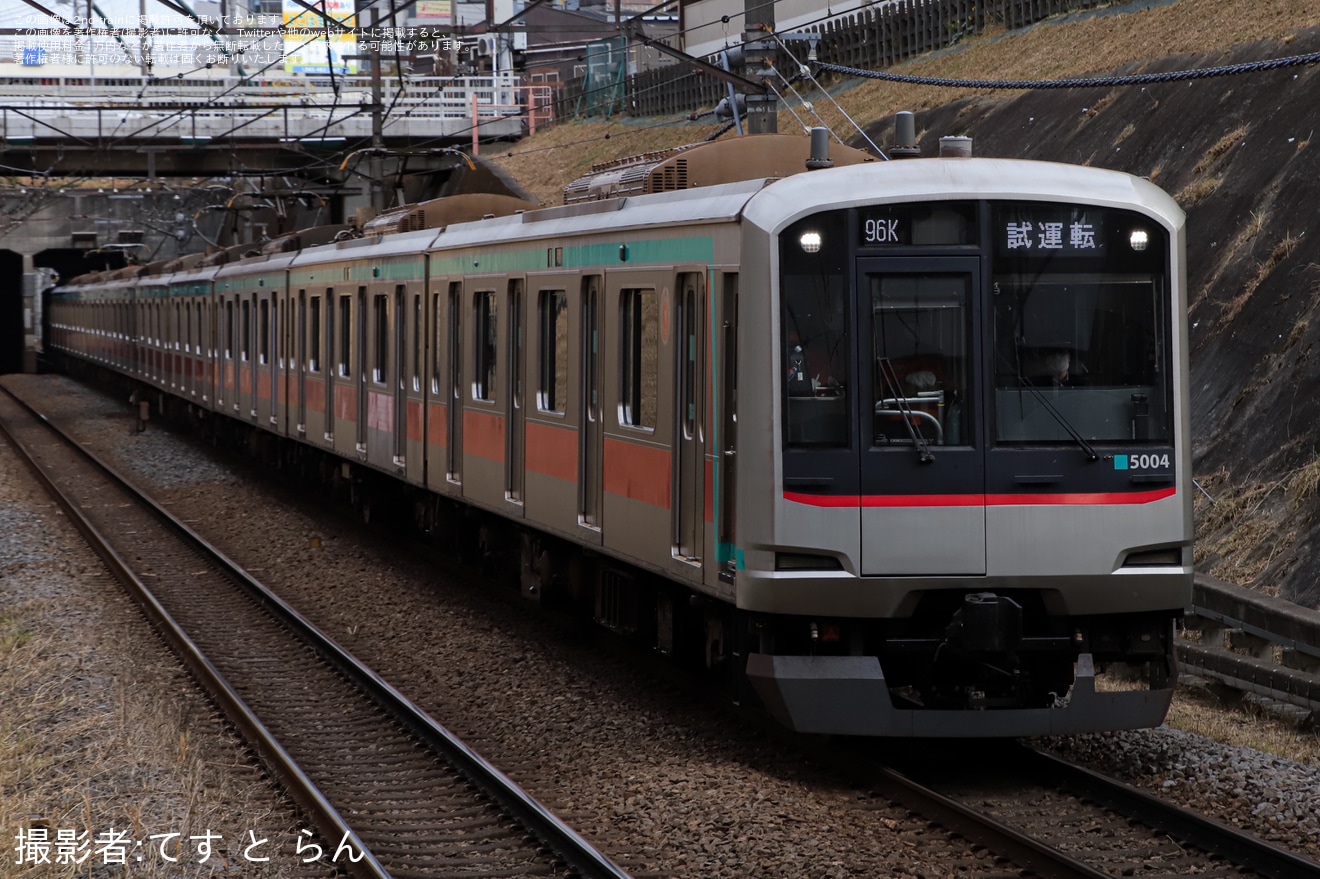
(900, 448)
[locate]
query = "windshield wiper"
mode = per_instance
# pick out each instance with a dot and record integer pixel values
(1058, 416)
(919, 442)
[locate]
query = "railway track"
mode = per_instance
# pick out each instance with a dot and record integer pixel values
(1059, 819)
(391, 792)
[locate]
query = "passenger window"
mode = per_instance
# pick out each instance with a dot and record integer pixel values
(639, 350)
(553, 351)
(483, 340)
(380, 370)
(345, 335)
(315, 330)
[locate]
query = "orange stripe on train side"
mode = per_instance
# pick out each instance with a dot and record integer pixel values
(483, 435)
(637, 472)
(551, 450)
(414, 415)
(315, 391)
(345, 403)
(436, 422)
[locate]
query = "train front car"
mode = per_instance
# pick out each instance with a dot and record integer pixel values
(975, 414)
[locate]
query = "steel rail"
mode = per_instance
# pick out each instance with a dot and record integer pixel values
(1240, 847)
(1024, 850)
(301, 788)
(575, 851)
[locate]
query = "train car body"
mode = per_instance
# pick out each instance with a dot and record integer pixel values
(905, 443)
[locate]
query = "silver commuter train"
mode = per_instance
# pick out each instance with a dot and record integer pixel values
(904, 444)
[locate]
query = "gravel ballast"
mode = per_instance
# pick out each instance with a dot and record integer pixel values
(671, 788)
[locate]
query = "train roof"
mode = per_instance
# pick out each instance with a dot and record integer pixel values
(953, 179)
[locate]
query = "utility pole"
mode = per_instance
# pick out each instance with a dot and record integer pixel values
(375, 164)
(759, 52)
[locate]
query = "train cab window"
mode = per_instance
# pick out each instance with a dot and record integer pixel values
(380, 314)
(345, 335)
(1080, 324)
(1080, 355)
(552, 374)
(920, 327)
(315, 332)
(815, 338)
(640, 352)
(484, 325)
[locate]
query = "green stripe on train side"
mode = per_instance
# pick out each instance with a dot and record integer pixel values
(659, 250)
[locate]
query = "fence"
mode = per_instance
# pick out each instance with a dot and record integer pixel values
(874, 39)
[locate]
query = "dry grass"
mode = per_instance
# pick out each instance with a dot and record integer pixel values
(1244, 726)
(1222, 146)
(552, 159)
(1197, 191)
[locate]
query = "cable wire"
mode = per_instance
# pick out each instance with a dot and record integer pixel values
(1081, 82)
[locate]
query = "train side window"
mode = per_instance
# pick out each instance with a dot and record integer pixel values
(246, 331)
(417, 343)
(187, 327)
(552, 309)
(263, 333)
(483, 345)
(345, 335)
(315, 331)
(229, 330)
(435, 343)
(639, 314)
(380, 364)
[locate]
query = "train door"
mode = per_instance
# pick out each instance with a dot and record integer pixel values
(329, 368)
(247, 382)
(689, 520)
(590, 430)
(342, 376)
(284, 398)
(726, 524)
(261, 400)
(400, 426)
(922, 461)
(300, 368)
(273, 347)
(360, 364)
(415, 433)
(454, 407)
(513, 391)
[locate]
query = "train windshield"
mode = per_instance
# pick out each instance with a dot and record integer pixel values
(1079, 354)
(1079, 311)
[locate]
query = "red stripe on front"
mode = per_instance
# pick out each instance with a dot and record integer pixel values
(980, 500)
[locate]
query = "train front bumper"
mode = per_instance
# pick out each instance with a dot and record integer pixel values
(847, 695)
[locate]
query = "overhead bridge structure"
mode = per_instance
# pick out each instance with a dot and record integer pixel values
(147, 127)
